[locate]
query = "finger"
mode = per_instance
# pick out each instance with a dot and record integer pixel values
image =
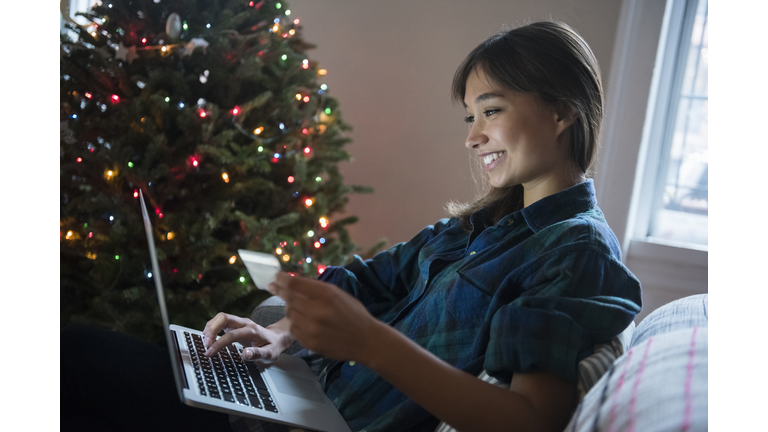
(222, 321)
(258, 354)
(228, 338)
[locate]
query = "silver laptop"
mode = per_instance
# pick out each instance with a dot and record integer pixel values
(285, 391)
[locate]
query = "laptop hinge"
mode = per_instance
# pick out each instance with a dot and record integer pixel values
(179, 363)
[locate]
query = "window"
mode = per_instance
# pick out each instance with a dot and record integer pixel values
(674, 203)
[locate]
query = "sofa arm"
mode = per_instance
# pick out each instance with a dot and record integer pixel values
(269, 312)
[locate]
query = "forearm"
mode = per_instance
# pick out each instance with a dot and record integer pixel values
(453, 396)
(282, 329)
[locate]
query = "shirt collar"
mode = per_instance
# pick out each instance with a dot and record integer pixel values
(560, 206)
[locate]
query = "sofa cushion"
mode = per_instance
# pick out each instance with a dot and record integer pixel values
(269, 312)
(692, 311)
(659, 384)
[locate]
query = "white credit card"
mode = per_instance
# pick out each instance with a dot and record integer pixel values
(261, 266)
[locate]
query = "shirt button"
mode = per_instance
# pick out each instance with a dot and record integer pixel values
(510, 221)
(472, 253)
(352, 363)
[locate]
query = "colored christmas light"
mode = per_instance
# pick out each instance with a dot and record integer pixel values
(317, 245)
(308, 202)
(181, 104)
(117, 257)
(225, 176)
(261, 149)
(284, 57)
(79, 160)
(306, 98)
(295, 243)
(236, 110)
(130, 164)
(296, 21)
(115, 98)
(286, 258)
(323, 87)
(167, 99)
(291, 32)
(322, 240)
(201, 112)
(278, 5)
(90, 235)
(170, 235)
(291, 179)
(298, 96)
(283, 243)
(111, 218)
(305, 131)
(287, 12)
(109, 174)
(318, 179)
(88, 95)
(135, 193)
(69, 235)
(250, 4)
(321, 268)
(324, 222)
(149, 275)
(307, 150)
(242, 279)
(160, 215)
(278, 251)
(258, 130)
(322, 72)
(305, 66)
(309, 260)
(328, 111)
(232, 259)
(310, 233)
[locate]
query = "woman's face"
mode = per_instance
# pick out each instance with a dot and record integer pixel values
(518, 138)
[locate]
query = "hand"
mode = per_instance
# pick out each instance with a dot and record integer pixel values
(325, 319)
(262, 344)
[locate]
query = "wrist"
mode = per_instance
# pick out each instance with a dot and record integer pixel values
(381, 339)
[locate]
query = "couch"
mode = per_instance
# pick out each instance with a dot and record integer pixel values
(651, 378)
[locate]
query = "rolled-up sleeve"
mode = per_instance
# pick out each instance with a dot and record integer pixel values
(570, 302)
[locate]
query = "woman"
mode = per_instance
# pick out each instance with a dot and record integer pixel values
(522, 283)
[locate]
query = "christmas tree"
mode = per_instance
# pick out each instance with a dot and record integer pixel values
(214, 111)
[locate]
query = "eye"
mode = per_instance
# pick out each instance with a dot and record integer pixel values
(490, 112)
(469, 119)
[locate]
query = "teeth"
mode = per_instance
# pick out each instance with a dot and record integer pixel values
(491, 157)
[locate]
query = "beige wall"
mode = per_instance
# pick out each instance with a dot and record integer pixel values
(390, 65)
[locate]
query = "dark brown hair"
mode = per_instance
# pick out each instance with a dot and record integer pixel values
(549, 60)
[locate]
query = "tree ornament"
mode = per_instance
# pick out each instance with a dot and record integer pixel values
(194, 43)
(124, 53)
(173, 26)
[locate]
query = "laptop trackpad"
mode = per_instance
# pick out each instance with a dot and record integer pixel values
(294, 385)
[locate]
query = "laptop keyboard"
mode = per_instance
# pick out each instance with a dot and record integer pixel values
(226, 376)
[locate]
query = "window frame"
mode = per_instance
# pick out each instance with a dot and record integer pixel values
(632, 149)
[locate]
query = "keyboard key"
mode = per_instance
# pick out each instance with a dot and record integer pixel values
(228, 397)
(254, 401)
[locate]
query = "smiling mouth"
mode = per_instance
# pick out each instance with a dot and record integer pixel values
(488, 159)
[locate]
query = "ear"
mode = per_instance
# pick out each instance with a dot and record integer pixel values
(565, 116)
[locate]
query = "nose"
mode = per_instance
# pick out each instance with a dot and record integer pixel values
(476, 136)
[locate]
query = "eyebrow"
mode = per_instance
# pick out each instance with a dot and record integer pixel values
(484, 97)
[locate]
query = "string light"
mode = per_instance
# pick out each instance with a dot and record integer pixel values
(298, 96)
(307, 150)
(79, 160)
(135, 193)
(296, 21)
(170, 235)
(278, 251)
(69, 235)
(232, 259)
(286, 258)
(306, 98)
(225, 176)
(111, 218)
(322, 72)
(322, 240)
(309, 260)
(284, 57)
(287, 12)
(149, 275)
(201, 112)
(117, 257)
(318, 179)
(167, 99)
(324, 222)
(317, 245)
(90, 235)
(278, 5)
(308, 202)
(283, 243)
(261, 149)
(130, 164)
(88, 95)
(310, 233)
(115, 98)
(305, 131)
(185, 25)
(242, 279)
(236, 110)
(258, 130)
(109, 174)
(250, 4)
(321, 268)
(291, 32)
(323, 87)
(144, 40)
(328, 111)
(90, 255)
(291, 179)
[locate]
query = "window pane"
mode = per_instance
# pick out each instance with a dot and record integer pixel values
(681, 210)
